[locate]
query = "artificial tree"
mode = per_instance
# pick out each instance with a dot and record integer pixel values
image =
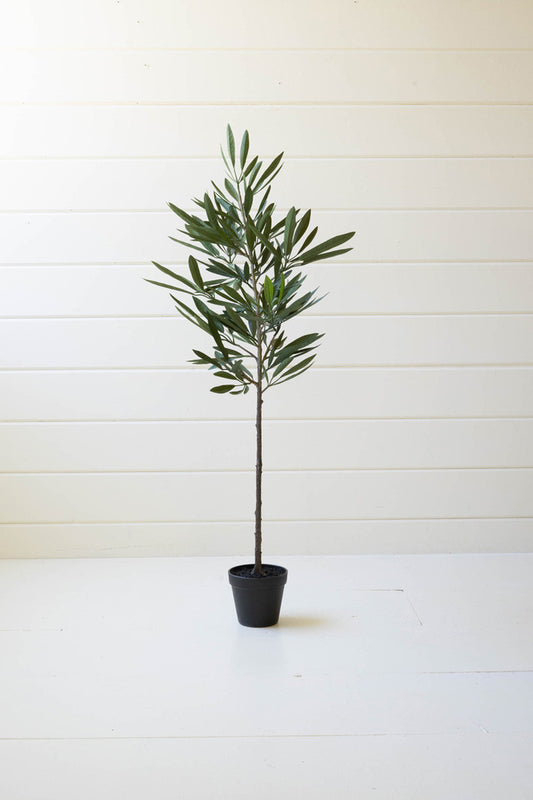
(253, 256)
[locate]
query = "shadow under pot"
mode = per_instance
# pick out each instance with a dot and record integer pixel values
(257, 597)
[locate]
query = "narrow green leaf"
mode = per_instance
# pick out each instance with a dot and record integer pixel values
(202, 308)
(245, 143)
(322, 256)
(231, 189)
(168, 286)
(231, 145)
(248, 200)
(204, 359)
(207, 249)
(195, 272)
(309, 239)
(210, 211)
(251, 166)
(329, 244)
(297, 344)
(190, 315)
(265, 242)
(302, 226)
(225, 160)
(297, 369)
(181, 214)
(268, 173)
(268, 290)
(289, 230)
(281, 287)
(225, 375)
(223, 388)
(174, 275)
(213, 330)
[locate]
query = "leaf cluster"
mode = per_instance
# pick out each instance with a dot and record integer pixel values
(244, 280)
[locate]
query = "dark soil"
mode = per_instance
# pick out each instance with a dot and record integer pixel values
(269, 570)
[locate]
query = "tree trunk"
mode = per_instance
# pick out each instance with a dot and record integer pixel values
(257, 570)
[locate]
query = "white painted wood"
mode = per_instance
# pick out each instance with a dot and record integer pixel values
(294, 495)
(293, 445)
(386, 765)
(163, 24)
(64, 238)
(308, 131)
(273, 77)
(365, 183)
(287, 537)
(348, 341)
(407, 667)
(348, 288)
(350, 393)
(410, 124)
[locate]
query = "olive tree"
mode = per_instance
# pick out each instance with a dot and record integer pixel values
(245, 283)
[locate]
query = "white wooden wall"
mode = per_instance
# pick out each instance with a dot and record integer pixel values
(411, 123)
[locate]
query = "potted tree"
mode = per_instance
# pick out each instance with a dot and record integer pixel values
(249, 285)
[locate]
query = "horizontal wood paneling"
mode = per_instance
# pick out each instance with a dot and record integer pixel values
(411, 124)
(296, 77)
(187, 24)
(314, 182)
(284, 538)
(368, 393)
(348, 341)
(287, 495)
(348, 288)
(295, 445)
(158, 131)
(381, 236)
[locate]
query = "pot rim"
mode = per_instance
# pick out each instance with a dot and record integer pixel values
(253, 582)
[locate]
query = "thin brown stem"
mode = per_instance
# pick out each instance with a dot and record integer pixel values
(258, 570)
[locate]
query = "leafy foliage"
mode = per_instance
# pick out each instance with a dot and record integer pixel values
(245, 284)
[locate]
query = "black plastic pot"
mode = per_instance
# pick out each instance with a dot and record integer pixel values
(258, 598)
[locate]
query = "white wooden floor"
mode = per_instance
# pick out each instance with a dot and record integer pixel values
(388, 678)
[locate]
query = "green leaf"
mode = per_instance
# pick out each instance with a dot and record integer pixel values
(202, 358)
(251, 166)
(297, 369)
(248, 200)
(213, 330)
(289, 230)
(210, 211)
(231, 189)
(202, 308)
(262, 204)
(181, 214)
(190, 315)
(168, 286)
(269, 246)
(309, 239)
(207, 249)
(302, 226)
(231, 145)
(225, 375)
(237, 322)
(297, 344)
(223, 388)
(281, 287)
(268, 290)
(245, 144)
(329, 244)
(195, 272)
(174, 275)
(269, 171)
(331, 254)
(254, 173)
